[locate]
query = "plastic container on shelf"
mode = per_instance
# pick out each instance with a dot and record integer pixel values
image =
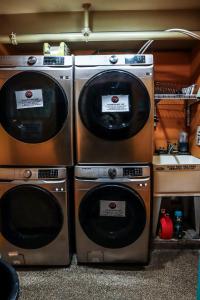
(166, 226)
(178, 224)
(183, 142)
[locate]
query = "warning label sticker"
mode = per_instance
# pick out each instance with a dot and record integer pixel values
(115, 103)
(109, 208)
(29, 99)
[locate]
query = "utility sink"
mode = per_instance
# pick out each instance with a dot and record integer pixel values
(164, 159)
(176, 174)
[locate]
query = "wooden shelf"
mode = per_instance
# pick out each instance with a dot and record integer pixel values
(183, 243)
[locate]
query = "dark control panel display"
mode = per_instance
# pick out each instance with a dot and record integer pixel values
(132, 172)
(136, 59)
(51, 173)
(50, 60)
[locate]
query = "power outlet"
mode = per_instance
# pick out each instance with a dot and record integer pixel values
(198, 136)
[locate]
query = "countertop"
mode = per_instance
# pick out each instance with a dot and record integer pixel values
(177, 159)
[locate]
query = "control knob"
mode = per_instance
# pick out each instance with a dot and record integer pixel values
(112, 173)
(32, 60)
(113, 59)
(27, 174)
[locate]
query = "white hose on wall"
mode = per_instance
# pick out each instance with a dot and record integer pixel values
(183, 31)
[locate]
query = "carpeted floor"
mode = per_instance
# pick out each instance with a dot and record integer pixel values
(171, 274)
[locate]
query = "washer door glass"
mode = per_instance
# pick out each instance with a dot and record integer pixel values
(33, 107)
(112, 216)
(114, 105)
(30, 217)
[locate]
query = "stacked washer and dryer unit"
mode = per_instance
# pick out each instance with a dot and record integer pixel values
(114, 129)
(114, 148)
(35, 153)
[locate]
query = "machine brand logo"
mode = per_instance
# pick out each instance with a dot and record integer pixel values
(115, 99)
(28, 94)
(112, 205)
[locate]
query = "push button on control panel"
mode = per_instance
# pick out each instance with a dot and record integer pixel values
(59, 189)
(113, 59)
(112, 173)
(27, 173)
(32, 60)
(142, 184)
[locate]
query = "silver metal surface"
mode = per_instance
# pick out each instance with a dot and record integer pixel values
(98, 172)
(56, 151)
(22, 61)
(56, 252)
(107, 60)
(87, 250)
(91, 149)
(21, 173)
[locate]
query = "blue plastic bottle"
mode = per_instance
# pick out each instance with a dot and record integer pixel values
(178, 224)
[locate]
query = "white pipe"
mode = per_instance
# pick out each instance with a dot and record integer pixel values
(86, 7)
(86, 30)
(97, 37)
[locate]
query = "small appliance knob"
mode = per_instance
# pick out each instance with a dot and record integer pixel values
(27, 173)
(112, 173)
(113, 59)
(32, 60)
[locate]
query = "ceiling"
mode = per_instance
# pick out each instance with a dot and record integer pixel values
(37, 6)
(57, 16)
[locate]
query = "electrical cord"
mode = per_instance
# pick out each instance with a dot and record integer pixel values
(184, 31)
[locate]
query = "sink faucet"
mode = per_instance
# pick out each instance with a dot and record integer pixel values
(170, 148)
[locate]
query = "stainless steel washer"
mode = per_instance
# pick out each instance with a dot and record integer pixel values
(34, 216)
(36, 110)
(114, 110)
(112, 213)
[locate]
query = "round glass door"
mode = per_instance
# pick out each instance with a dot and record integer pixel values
(112, 216)
(30, 217)
(114, 105)
(33, 107)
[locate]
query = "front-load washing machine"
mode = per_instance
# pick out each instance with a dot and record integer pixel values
(34, 221)
(112, 213)
(114, 109)
(36, 110)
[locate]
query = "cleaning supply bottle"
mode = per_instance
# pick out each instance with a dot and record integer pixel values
(166, 226)
(183, 142)
(178, 224)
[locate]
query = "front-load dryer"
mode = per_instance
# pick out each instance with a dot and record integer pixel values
(112, 213)
(34, 216)
(114, 111)
(36, 111)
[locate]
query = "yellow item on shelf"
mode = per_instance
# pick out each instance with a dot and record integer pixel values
(60, 50)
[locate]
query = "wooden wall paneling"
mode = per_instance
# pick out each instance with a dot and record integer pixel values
(172, 66)
(3, 50)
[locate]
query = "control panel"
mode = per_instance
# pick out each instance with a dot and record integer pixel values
(111, 172)
(132, 172)
(48, 173)
(51, 60)
(136, 59)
